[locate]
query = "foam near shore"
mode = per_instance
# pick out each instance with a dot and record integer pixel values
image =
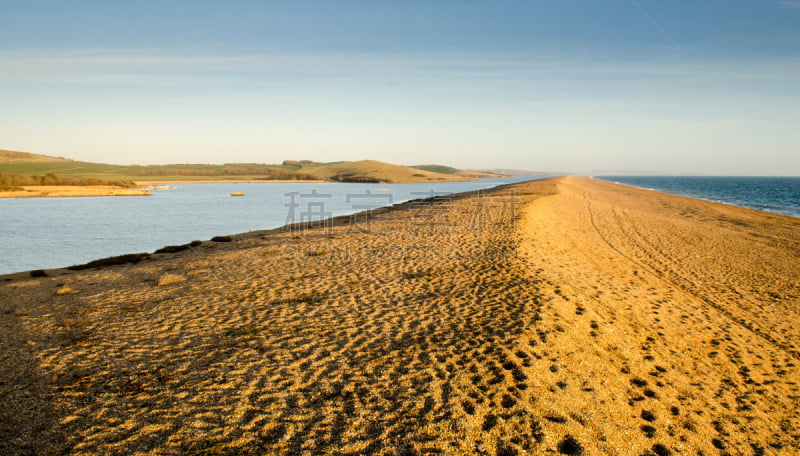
(566, 315)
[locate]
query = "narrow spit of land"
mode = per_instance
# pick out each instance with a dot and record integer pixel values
(61, 191)
(567, 316)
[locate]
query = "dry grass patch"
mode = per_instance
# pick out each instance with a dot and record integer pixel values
(169, 279)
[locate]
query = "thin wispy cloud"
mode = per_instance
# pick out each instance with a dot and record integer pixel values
(148, 67)
(791, 4)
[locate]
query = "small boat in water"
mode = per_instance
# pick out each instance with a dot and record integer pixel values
(237, 193)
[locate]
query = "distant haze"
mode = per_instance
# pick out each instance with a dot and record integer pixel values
(661, 87)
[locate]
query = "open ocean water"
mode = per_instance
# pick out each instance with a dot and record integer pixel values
(779, 195)
(46, 233)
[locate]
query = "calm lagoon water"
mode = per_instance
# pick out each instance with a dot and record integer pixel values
(780, 195)
(42, 233)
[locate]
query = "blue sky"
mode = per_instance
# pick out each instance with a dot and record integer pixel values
(551, 85)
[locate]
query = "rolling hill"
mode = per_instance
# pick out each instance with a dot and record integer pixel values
(442, 169)
(345, 171)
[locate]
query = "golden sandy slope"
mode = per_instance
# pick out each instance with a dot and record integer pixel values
(569, 317)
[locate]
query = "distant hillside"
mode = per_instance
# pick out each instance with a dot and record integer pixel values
(37, 172)
(517, 172)
(374, 171)
(442, 169)
(13, 181)
(471, 174)
(437, 169)
(359, 171)
(10, 156)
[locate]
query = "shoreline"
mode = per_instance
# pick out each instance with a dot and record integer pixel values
(226, 181)
(335, 221)
(283, 181)
(344, 219)
(695, 197)
(72, 191)
(68, 191)
(570, 315)
(341, 219)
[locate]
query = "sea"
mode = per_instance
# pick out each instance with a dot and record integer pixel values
(46, 233)
(779, 195)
